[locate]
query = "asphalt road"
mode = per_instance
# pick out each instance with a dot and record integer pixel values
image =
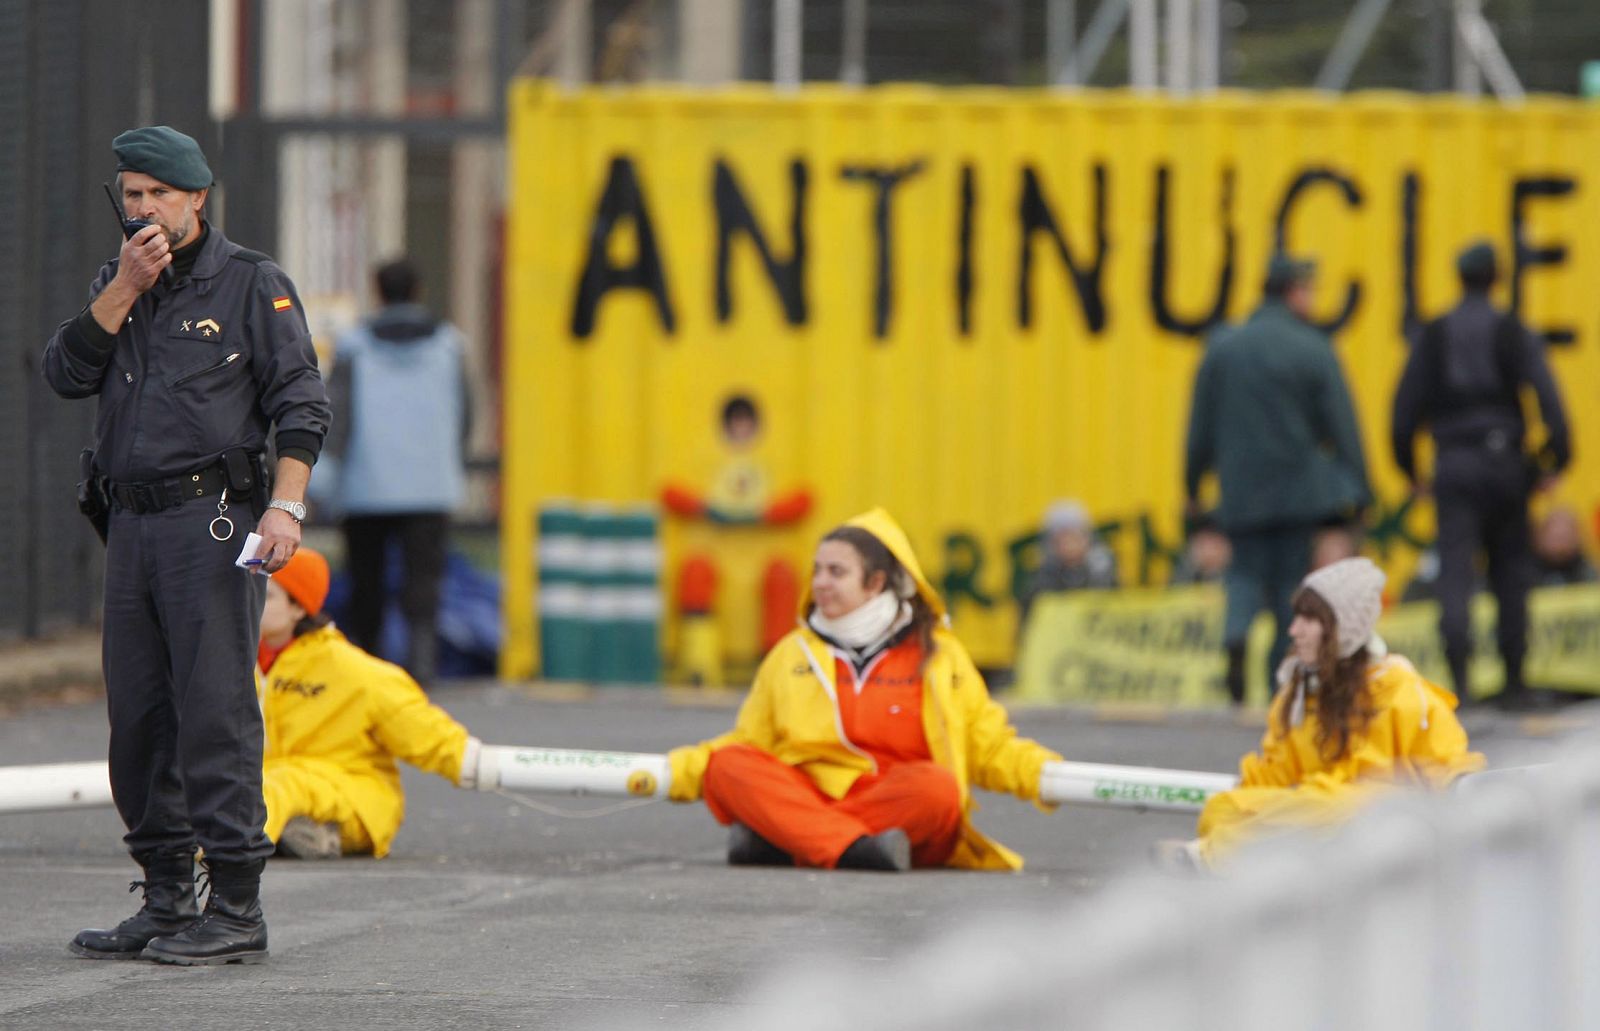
(494, 913)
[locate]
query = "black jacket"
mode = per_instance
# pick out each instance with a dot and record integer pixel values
(209, 362)
(1462, 380)
(1272, 416)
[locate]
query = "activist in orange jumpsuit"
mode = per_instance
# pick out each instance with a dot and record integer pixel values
(336, 721)
(866, 728)
(1349, 723)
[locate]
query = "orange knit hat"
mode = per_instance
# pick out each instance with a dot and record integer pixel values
(305, 578)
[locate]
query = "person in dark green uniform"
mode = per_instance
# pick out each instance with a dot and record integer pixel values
(199, 353)
(1272, 418)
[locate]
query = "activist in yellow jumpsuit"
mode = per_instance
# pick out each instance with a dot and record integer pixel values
(1348, 723)
(336, 721)
(830, 753)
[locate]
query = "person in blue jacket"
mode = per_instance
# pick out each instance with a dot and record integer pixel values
(400, 385)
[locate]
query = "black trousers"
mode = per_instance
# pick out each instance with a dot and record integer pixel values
(423, 538)
(1481, 499)
(1268, 564)
(179, 647)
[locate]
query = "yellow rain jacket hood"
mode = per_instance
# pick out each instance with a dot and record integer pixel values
(882, 525)
(337, 719)
(792, 714)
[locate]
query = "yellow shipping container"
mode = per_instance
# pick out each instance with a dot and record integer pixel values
(963, 304)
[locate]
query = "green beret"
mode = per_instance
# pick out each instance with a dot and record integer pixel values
(1285, 270)
(163, 153)
(1477, 261)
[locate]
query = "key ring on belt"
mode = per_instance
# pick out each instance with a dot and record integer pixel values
(222, 508)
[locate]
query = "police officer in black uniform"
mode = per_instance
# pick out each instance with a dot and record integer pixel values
(1463, 380)
(199, 352)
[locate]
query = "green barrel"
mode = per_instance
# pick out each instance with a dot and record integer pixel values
(600, 593)
(628, 590)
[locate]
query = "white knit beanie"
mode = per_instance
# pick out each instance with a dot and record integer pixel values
(1353, 589)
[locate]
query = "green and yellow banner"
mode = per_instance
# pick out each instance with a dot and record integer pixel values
(1163, 648)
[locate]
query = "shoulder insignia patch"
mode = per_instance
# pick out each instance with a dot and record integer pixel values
(282, 304)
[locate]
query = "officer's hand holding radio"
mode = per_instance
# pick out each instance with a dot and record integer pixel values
(143, 257)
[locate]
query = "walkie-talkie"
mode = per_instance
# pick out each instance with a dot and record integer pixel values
(130, 226)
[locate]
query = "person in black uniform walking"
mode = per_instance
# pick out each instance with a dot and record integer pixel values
(1463, 381)
(197, 349)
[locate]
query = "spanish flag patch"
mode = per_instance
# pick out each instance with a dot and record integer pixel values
(281, 304)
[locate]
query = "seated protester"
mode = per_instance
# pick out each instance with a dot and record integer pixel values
(1206, 557)
(1073, 559)
(866, 729)
(1349, 721)
(336, 721)
(1558, 551)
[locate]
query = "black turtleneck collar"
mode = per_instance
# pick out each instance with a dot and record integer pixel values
(184, 257)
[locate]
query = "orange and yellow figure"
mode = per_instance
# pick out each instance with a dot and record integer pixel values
(728, 545)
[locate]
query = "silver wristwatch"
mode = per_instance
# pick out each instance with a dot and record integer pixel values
(294, 508)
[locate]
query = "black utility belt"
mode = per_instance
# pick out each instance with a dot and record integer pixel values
(242, 472)
(160, 495)
(1498, 441)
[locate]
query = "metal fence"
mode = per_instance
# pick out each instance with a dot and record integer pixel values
(1478, 910)
(70, 79)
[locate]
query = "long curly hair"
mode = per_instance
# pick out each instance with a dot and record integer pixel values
(877, 558)
(1344, 705)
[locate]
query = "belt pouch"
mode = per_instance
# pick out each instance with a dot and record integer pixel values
(242, 472)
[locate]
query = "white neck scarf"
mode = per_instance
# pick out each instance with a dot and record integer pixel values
(868, 626)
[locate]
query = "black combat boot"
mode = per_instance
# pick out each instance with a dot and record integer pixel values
(1459, 661)
(1517, 696)
(168, 908)
(1235, 675)
(230, 929)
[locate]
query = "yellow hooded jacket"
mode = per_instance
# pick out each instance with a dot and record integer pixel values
(792, 713)
(1412, 739)
(340, 718)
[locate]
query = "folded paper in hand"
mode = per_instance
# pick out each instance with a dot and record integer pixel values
(247, 554)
